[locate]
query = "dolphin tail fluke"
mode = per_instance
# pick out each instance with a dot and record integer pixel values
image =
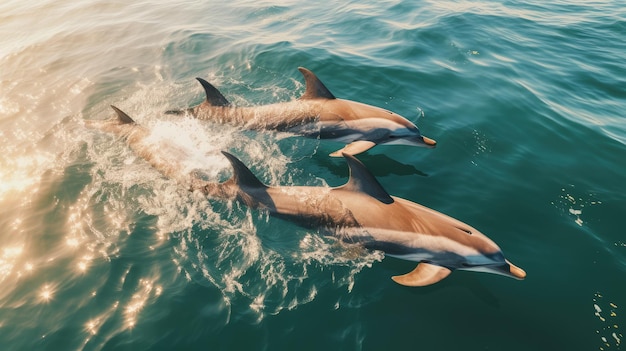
(242, 176)
(213, 96)
(355, 147)
(122, 117)
(424, 274)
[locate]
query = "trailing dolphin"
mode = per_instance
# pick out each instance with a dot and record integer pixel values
(318, 114)
(361, 211)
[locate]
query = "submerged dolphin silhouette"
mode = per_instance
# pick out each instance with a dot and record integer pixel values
(317, 113)
(361, 211)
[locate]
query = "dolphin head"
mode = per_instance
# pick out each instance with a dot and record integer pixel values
(408, 136)
(496, 264)
(386, 126)
(439, 243)
(488, 257)
(377, 124)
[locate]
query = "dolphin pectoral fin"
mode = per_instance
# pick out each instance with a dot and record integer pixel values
(355, 147)
(424, 274)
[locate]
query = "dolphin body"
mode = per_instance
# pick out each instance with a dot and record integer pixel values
(361, 211)
(317, 114)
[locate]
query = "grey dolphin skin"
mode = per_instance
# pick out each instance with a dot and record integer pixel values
(361, 212)
(318, 114)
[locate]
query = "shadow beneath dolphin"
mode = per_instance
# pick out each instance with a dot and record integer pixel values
(379, 165)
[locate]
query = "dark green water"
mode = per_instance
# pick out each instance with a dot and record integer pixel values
(99, 251)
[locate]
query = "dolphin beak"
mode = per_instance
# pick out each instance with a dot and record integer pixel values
(515, 271)
(429, 142)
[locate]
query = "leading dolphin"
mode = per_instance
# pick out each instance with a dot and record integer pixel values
(361, 211)
(317, 113)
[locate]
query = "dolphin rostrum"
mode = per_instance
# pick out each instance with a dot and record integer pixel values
(360, 211)
(318, 114)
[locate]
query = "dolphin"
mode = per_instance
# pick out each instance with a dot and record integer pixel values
(317, 114)
(360, 211)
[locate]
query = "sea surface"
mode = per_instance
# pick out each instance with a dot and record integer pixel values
(98, 251)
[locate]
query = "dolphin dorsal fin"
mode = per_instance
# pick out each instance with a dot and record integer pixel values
(122, 117)
(213, 96)
(242, 176)
(362, 180)
(315, 89)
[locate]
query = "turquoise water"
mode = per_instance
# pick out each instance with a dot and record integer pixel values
(99, 251)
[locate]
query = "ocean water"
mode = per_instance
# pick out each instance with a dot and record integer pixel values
(98, 251)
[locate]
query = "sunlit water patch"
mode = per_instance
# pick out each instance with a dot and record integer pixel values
(126, 234)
